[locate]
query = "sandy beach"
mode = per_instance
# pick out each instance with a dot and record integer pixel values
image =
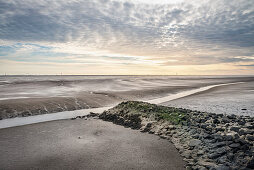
(96, 144)
(33, 95)
(233, 99)
(126, 85)
(84, 144)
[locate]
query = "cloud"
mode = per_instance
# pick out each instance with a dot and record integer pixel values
(250, 65)
(161, 33)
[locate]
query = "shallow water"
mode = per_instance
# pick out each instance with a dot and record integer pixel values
(19, 121)
(186, 93)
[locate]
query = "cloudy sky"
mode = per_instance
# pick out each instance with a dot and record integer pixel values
(127, 37)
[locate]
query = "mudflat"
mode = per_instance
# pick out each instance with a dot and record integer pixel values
(22, 96)
(84, 144)
(235, 99)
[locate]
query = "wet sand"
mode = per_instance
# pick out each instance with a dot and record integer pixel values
(40, 95)
(84, 144)
(233, 99)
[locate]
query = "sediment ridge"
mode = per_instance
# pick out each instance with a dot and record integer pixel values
(205, 140)
(38, 106)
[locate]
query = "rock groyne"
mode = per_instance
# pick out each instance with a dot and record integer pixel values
(205, 140)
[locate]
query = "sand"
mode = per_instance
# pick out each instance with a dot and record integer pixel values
(40, 95)
(233, 99)
(84, 144)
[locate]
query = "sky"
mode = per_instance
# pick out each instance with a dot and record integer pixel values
(127, 37)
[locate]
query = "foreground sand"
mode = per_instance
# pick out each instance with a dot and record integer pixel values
(84, 144)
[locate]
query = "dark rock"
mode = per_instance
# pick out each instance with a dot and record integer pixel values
(231, 116)
(203, 120)
(228, 137)
(216, 121)
(250, 163)
(148, 127)
(236, 129)
(92, 114)
(194, 142)
(213, 125)
(241, 122)
(222, 160)
(230, 156)
(245, 148)
(225, 120)
(207, 136)
(221, 150)
(217, 137)
(222, 167)
(219, 115)
(219, 144)
(241, 132)
(234, 145)
(250, 126)
(202, 168)
(214, 155)
(250, 137)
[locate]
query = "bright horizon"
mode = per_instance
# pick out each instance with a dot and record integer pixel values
(137, 37)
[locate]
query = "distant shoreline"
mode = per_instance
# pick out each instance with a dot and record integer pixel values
(236, 75)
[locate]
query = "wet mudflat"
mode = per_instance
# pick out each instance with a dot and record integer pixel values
(84, 144)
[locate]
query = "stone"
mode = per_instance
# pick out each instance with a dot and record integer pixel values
(200, 152)
(187, 154)
(230, 156)
(206, 163)
(217, 137)
(219, 144)
(234, 128)
(249, 126)
(222, 160)
(194, 142)
(250, 137)
(192, 132)
(221, 150)
(202, 168)
(241, 122)
(229, 136)
(250, 163)
(171, 127)
(234, 145)
(207, 136)
(213, 155)
(241, 132)
(231, 116)
(225, 120)
(222, 167)
(147, 127)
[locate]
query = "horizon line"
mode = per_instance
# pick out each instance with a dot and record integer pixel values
(125, 75)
